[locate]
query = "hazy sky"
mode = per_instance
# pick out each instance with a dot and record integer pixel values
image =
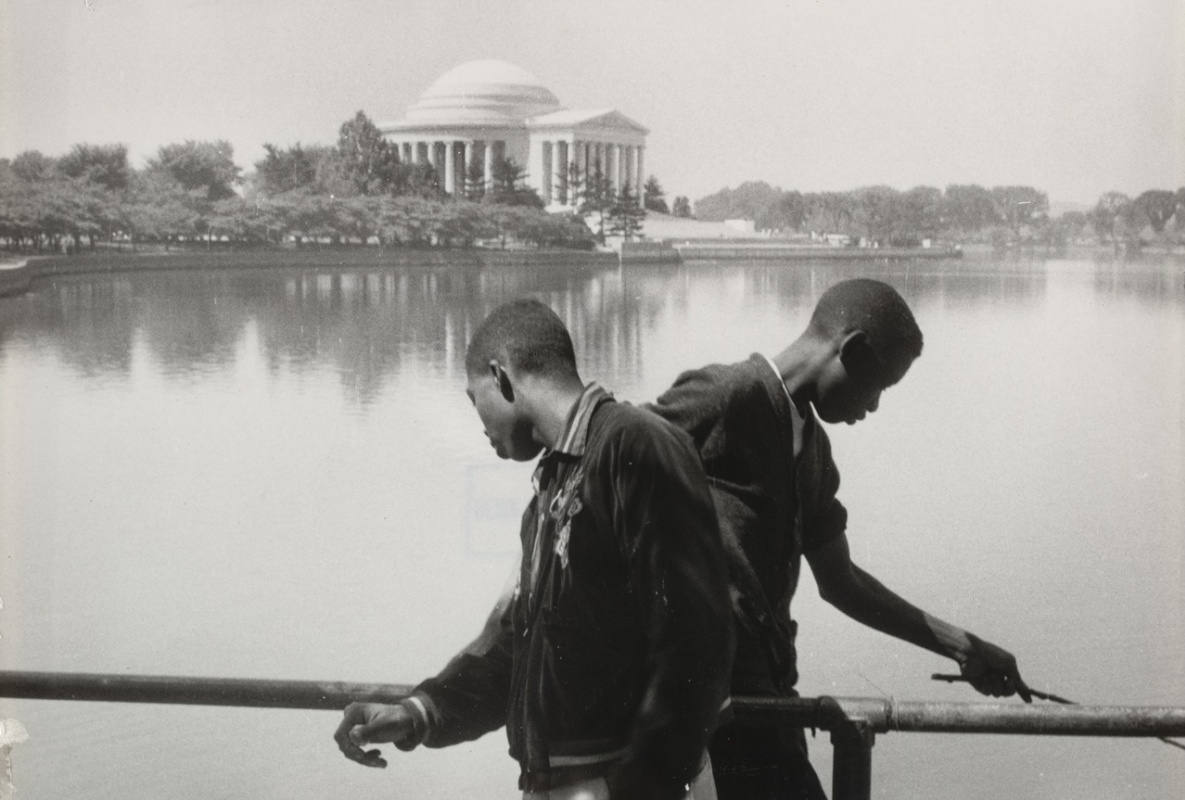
(1076, 98)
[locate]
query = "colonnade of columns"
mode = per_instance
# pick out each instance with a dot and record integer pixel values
(458, 157)
(620, 164)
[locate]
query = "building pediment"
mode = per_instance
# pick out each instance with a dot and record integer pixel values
(586, 121)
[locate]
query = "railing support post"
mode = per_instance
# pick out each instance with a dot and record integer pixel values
(851, 770)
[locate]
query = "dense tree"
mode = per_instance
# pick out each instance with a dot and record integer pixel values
(32, 165)
(239, 221)
(1132, 219)
(1019, 205)
(1158, 206)
(969, 208)
(170, 202)
(1105, 213)
(41, 206)
(626, 214)
(206, 166)
(654, 198)
(103, 164)
(787, 212)
(747, 201)
(424, 181)
(1069, 228)
(921, 212)
(876, 211)
(829, 212)
(507, 221)
(369, 161)
(682, 207)
(285, 170)
(475, 181)
(577, 183)
(508, 186)
(597, 200)
(553, 230)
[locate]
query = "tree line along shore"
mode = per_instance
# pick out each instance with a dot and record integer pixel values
(968, 213)
(354, 192)
(359, 192)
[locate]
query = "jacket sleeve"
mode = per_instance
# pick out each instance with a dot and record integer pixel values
(695, 403)
(666, 522)
(469, 697)
(824, 517)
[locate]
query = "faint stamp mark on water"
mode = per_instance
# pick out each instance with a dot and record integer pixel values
(494, 501)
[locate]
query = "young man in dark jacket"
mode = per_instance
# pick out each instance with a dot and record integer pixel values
(610, 663)
(774, 484)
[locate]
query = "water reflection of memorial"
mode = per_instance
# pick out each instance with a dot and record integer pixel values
(375, 325)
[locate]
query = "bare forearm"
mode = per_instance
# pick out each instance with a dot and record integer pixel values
(990, 668)
(869, 602)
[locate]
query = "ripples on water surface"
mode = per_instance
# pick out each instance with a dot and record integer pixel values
(276, 473)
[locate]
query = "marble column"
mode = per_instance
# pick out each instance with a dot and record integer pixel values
(561, 171)
(641, 176)
(546, 174)
(614, 153)
(450, 167)
(489, 165)
(579, 158)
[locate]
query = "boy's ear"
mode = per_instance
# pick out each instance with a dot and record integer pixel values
(852, 344)
(857, 356)
(502, 379)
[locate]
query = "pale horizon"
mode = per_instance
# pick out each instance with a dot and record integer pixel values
(1075, 99)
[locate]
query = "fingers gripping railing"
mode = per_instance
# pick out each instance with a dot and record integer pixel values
(853, 722)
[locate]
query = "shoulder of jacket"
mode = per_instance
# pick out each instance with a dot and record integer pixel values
(633, 426)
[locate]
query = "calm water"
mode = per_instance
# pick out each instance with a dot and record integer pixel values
(276, 473)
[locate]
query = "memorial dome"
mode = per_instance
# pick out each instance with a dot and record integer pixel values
(483, 92)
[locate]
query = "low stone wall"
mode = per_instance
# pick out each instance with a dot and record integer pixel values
(648, 253)
(18, 279)
(705, 252)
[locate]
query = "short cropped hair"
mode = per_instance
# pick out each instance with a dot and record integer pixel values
(873, 307)
(526, 336)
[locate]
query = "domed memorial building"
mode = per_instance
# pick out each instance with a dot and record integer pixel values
(485, 110)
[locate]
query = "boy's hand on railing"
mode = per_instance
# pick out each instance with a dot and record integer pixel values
(368, 723)
(992, 670)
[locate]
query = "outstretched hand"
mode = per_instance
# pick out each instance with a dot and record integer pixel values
(992, 670)
(370, 723)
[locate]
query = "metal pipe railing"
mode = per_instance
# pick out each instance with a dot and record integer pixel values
(247, 692)
(884, 716)
(852, 721)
